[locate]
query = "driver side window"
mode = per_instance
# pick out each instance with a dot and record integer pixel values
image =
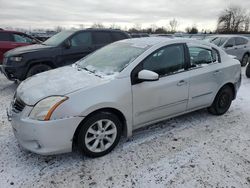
(81, 39)
(230, 42)
(166, 60)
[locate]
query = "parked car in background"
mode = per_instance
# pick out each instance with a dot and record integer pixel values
(122, 87)
(235, 45)
(210, 38)
(13, 39)
(138, 35)
(62, 49)
(197, 36)
(162, 35)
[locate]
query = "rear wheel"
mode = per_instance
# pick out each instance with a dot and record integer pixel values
(222, 101)
(38, 69)
(248, 70)
(99, 134)
(245, 60)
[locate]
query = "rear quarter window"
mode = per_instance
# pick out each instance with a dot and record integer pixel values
(118, 36)
(241, 41)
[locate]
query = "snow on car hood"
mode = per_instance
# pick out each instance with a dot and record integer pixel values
(61, 81)
(26, 49)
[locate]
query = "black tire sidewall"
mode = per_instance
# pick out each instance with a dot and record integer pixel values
(243, 64)
(35, 69)
(85, 126)
(248, 70)
(224, 90)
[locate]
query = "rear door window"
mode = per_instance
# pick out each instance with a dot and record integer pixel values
(200, 56)
(5, 37)
(102, 37)
(240, 41)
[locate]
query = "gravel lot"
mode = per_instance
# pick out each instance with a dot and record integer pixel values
(193, 150)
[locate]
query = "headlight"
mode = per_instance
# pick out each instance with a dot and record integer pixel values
(44, 109)
(16, 59)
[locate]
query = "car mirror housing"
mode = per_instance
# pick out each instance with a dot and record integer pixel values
(228, 45)
(67, 44)
(147, 75)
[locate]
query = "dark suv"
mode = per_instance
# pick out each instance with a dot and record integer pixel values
(62, 49)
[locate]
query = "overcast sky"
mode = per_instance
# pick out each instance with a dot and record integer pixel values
(32, 14)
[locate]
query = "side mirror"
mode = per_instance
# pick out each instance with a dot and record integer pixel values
(34, 41)
(147, 75)
(228, 45)
(67, 44)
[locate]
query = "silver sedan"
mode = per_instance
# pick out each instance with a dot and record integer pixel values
(119, 88)
(236, 45)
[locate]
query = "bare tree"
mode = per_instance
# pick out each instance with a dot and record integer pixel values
(173, 25)
(97, 25)
(114, 26)
(137, 26)
(58, 29)
(192, 30)
(247, 24)
(232, 20)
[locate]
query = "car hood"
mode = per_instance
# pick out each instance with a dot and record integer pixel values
(26, 49)
(61, 81)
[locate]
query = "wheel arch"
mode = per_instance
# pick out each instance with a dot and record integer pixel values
(34, 63)
(115, 111)
(248, 53)
(232, 86)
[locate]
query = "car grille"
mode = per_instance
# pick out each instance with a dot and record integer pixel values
(18, 105)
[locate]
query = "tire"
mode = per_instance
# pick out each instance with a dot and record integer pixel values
(95, 138)
(248, 70)
(245, 60)
(38, 69)
(222, 101)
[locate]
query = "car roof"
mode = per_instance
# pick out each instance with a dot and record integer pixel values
(10, 31)
(230, 36)
(152, 41)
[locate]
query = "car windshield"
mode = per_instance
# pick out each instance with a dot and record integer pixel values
(112, 58)
(219, 41)
(58, 38)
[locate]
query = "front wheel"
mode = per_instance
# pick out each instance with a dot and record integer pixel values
(248, 70)
(38, 69)
(222, 101)
(99, 134)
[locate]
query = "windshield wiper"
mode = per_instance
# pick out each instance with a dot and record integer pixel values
(92, 71)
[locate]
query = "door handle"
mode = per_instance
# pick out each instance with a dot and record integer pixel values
(216, 72)
(182, 82)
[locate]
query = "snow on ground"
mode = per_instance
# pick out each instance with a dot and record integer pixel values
(193, 150)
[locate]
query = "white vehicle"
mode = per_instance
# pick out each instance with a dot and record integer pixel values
(119, 88)
(236, 45)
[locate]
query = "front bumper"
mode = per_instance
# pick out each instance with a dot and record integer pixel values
(45, 137)
(12, 72)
